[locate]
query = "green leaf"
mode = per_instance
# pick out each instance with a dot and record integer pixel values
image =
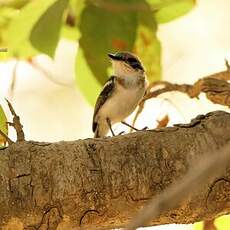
(70, 33)
(167, 10)
(155, 3)
(105, 31)
(17, 4)
(85, 79)
(76, 6)
(3, 126)
(25, 31)
(7, 15)
(45, 33)
(147, 46)
(222, 222)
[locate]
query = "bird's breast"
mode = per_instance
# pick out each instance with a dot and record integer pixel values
(122, 103)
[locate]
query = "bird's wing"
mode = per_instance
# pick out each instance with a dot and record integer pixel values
(104, 95)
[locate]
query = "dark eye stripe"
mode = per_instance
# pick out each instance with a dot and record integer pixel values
(136, 65)
(131, 60)
(120, 56)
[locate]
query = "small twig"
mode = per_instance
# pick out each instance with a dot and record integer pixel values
(168, 87)
(140, 109)
(215, 86)
(3, 49)
(16, 123)
(227, 65)
(6, 137)
(209, 166)
(13, 81)
(47, 73)
(209, 225)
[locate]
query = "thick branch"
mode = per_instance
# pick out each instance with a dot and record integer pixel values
(211, 165)
(102, 183)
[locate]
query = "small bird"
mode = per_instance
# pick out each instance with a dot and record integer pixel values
(121, 93)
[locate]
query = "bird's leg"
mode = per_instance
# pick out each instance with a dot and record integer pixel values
(110, 126)
(130, 126)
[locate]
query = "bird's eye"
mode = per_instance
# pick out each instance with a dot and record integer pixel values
(136, 65)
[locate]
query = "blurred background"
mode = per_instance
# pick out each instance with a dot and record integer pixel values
(50, 94)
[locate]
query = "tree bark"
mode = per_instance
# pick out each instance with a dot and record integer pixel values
(102, 183)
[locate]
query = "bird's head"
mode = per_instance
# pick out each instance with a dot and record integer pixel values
(126, 64)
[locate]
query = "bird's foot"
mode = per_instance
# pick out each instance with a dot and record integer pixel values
(122, 132)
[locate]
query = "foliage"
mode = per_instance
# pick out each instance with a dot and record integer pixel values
(101, 26)
(3, 126)
(36, 28)
(221, 223)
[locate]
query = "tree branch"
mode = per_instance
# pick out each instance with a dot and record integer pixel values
(211, 165)
(215, 86)
(102, 183)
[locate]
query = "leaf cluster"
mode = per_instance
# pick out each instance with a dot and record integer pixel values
(29, 27)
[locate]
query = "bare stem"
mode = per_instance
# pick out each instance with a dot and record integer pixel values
(16, 123)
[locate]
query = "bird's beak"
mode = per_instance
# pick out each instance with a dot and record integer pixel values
(113, 57)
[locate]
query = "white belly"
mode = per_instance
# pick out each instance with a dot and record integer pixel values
(122, 103)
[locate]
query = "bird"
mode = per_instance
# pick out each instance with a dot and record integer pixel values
(121, 93)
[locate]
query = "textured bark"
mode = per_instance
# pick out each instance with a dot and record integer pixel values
(102, 183)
